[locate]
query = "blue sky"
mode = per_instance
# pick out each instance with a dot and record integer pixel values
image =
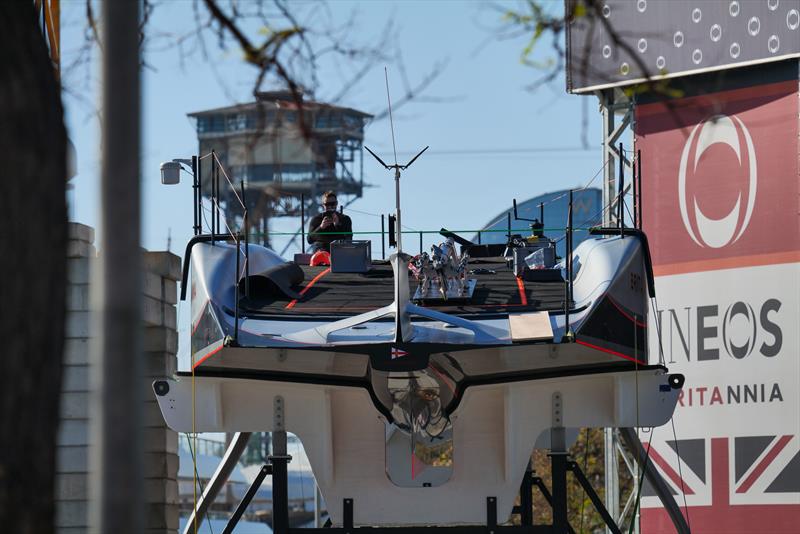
(489, 107)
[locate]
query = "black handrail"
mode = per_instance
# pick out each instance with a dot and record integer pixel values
(246, 225)
(639, 179)
(648, 262)
(206, 238)
(621, 202)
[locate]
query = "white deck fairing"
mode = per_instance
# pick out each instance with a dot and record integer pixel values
(495, 428)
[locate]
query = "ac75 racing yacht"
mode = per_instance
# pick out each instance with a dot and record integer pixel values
(419, 409)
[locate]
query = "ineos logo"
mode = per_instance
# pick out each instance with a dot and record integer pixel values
(702, 332)
(751, 322)
(704, 231)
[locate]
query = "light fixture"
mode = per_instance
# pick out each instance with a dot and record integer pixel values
(171, 171)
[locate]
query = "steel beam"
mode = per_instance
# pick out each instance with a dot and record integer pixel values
(654, 478)
(611, 472)
(224, 470)
(245, 502)
(611, 105)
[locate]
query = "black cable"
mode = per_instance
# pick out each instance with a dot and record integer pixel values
(641, 481)
(680, 474)
(199, 482)
(536, 150)
(654, 304)
(585, 464)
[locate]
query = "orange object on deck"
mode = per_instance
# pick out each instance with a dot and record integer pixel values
(320, 257)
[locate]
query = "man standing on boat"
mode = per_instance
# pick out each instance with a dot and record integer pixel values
(329, 225)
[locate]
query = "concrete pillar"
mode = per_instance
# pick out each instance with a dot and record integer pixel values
(162, 270)
(72, 455)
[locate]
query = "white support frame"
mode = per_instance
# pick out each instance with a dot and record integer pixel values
(613, 105)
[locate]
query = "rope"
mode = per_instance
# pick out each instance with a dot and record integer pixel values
(636, 367)
(591, 180)
(205, 219)
(640, 482)
(233, 188)
(680, 474)
(654, 306)
(192, 449)
(198, 481)
(363, 212)
(225, 219)
(391, 119)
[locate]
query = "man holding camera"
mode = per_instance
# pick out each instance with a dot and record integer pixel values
(330, 225)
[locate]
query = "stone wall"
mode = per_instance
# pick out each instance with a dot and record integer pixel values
(160, 345)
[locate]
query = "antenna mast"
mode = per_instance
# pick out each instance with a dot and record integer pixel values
(397, 168)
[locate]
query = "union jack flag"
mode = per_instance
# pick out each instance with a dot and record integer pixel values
(734, 485)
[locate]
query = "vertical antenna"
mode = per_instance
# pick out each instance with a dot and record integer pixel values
(391, 119)
(399, 229)
(397, 168)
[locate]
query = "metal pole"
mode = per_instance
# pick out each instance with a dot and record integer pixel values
(570, 249)
(279, 460)
(607, 108)
(383, 238)
(316, 504)
(218, 479)
(280, 483)
(508, 222)
(236, 291)
(246, 224)
(420, 242)
(610, 522)
(251, 492)
(659, 486)
(213, 198)
(541, 213)
(526, 497)
(200, 195)
(219, 200)
(303, 222)
(568, 268)
(635, 199)
(558, 463)
(194, 194)
(621, 200)
(639, 179)
(117, 433)
(611, 473)
(399, 228)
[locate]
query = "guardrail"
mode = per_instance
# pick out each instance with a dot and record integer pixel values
(243, 234)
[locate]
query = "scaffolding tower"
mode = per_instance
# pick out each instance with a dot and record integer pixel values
(285, 151)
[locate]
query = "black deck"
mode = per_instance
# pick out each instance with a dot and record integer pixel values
(346, 294)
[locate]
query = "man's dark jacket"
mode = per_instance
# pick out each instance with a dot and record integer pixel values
(341, 223)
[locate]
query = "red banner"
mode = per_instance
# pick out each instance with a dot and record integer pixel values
(720, 179)
(720, 191)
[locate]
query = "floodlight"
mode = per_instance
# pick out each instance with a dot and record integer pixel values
(170, 173)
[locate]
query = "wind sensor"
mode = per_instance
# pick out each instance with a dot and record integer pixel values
(397, 168)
